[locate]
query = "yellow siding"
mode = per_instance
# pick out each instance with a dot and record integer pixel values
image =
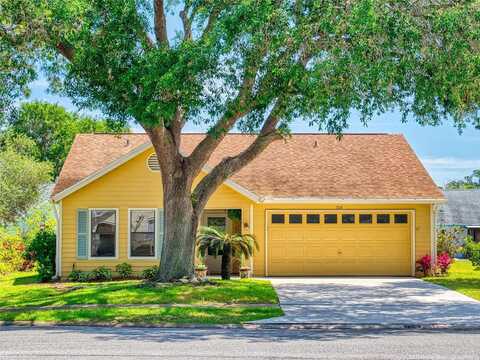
(132, 185)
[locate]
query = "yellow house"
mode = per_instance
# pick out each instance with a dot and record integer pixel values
(362, 205)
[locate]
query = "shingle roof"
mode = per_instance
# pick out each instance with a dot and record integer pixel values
(462, 208)
(373, 166)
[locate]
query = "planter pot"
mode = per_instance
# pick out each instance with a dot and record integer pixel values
(245, 273)
(201, 274)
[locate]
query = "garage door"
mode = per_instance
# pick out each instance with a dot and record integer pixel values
(339, 243)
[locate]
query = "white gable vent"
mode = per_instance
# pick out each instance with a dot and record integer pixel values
(152, 163)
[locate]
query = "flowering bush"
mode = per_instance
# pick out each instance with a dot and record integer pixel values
(425, 264)
(12, 250)
(444, 261)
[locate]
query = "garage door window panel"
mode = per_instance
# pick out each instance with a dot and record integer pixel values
(366, 218)
(348, 218)
(313, 219)
(383, 219)
(401, 219)
(331, 218)
(295, 218)
(278, 219)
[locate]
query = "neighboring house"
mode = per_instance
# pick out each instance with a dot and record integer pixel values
(317, 206)
(462, 209)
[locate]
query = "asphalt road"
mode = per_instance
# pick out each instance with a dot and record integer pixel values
(136, 343)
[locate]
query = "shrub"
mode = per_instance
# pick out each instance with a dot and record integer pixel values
(448, 240)
(471, 248)
(425, 264)
(74, 275)
(475, 257)
(101, 273)
(444, 261)
(124, 270)
(42, 251)
(151, 273)
(11, 253)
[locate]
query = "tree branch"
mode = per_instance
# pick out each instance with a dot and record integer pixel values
(187, 26)
(66, 51)
(160, 22)
(230, 165)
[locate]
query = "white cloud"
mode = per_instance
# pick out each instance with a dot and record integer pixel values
(452, 163)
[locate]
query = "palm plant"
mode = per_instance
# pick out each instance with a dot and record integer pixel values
(230, 244)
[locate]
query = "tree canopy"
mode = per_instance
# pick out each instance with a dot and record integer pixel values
(468, 182)
(22, 179)
(53, 129)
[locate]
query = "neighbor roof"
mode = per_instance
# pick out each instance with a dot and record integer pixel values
(462, 208)
(359, 166)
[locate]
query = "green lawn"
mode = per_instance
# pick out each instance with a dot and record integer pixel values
(23, 289)
(461, 277)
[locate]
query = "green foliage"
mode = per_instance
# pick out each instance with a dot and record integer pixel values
(449, 240)
(101, 273)
(124, 270)
(471, 250)
(53, 129)
(42, 251)
(75, 275)
(469, 182)
(321, 59)
(21, 180)
(215, 239)
(12, 251)
(151, 273)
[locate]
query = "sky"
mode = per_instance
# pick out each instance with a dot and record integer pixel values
(446, 154)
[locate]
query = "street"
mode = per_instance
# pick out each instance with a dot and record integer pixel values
(139, 343)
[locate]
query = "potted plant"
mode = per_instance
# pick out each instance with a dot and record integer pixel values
(201, 271)
(245, 272)
(230, 244)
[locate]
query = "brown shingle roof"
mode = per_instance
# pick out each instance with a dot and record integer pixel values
(372, 166)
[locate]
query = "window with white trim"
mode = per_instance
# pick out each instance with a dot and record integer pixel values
(142, 233)
(103, 233)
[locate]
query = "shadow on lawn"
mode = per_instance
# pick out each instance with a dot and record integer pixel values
(26, 280)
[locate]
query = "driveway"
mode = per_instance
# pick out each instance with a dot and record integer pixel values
(355, 300)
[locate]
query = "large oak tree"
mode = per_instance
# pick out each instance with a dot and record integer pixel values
(254, 65)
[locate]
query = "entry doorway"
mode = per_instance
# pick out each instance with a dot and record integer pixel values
(229, 221)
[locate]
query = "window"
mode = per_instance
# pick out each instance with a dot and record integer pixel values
(348, 218)
(142, 233)
(365, 218)
(313, 219)
(217, 222)
(401, 218)
(295, 218)
(103, 241)
(383, 219)
(278, 219)
(330, 218)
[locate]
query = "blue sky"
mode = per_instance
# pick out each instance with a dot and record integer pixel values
(445, 153)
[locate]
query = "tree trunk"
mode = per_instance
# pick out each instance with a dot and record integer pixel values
(226, 262)
(180, 229)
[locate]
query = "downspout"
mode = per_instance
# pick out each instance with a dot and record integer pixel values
(250, 226)
(433, 220)
(58, 235)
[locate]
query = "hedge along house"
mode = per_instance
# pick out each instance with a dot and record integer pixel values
(363, 205)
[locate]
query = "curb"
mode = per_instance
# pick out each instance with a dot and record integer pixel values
(254, 326)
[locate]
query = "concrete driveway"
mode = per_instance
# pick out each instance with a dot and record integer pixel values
(356, 301)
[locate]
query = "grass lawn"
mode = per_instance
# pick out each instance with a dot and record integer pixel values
(23, 289)
(462, 277)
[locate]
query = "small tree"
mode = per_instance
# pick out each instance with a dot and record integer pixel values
(449, 240)
(21, 180)
(42, 249)
(229, 244)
